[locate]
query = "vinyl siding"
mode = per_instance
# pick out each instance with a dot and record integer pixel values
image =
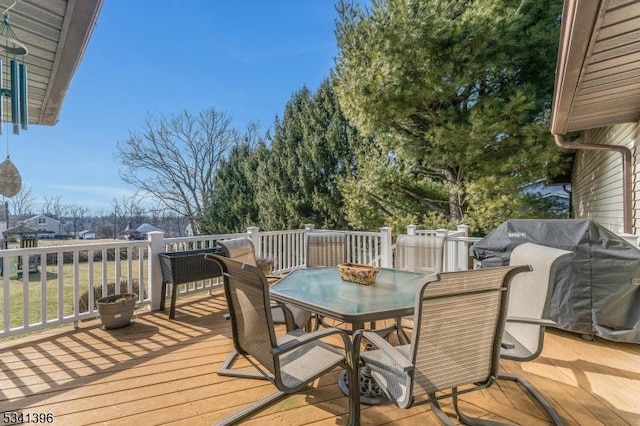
(597, 177)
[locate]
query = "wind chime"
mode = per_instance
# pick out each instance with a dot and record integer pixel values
(13, 91)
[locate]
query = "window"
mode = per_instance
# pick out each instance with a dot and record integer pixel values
(42, 221)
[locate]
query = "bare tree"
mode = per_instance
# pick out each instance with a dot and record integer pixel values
(175, 159)
(125, 210)
(52, 206)
(103, 224)
(22, 202)
(77, 214)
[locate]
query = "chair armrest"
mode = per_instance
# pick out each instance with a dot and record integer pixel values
(289, 321)
(309, 337)
(384, 346)
(533, 321)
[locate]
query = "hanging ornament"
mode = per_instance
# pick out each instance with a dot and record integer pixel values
(10, 180)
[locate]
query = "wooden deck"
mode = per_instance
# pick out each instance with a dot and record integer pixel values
(160, 371)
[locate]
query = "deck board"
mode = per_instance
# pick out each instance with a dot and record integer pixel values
(160, 371)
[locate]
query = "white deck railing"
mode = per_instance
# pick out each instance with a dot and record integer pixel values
(42, 286)
(45, 289)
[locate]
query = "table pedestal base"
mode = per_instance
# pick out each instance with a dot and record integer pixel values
(370, 392)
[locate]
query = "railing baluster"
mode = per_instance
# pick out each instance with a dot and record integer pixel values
(25, 292)
(76, 283)
(43, 288)
(60, 288)
(90, 284)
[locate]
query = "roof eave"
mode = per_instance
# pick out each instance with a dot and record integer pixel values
(577, 32)
(80, 20)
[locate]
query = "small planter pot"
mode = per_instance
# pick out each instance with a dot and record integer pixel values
(116, 310)
(265, 265)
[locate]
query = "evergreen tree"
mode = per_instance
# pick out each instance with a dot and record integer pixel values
(311, 150)
(281, 197)
(327, 154)
(454, 91)
(232, 206)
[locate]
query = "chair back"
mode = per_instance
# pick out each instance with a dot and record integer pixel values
(420, 253)
(247, 294)
(326, 249)
(239, 249)
(457, 329)
(530, 297)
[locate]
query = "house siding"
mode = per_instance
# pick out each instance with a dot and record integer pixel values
(597, 177)
(52, 225)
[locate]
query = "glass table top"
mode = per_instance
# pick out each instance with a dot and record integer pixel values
(322, 290)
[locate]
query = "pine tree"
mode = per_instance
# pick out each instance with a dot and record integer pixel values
(453, 91)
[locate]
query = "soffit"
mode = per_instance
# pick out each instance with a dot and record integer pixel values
(56, 33)
(598, 70)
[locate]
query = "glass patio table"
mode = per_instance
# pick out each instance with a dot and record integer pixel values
(323, 291)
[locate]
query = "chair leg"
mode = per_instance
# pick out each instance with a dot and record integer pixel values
(472, 420)
(252, 409)
(546, 406)
(403, 338)
(435, 407)
(226, 370)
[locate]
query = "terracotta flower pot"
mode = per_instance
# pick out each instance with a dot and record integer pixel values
(116, 310)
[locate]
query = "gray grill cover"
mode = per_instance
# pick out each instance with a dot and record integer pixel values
(594, 291)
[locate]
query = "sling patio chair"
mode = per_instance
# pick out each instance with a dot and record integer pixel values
(291, 361)
(325, 248)
(528, 312)
(242, 250)
(418, 253)
(455, 344)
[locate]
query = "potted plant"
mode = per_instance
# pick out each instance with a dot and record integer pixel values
(116, 310)
(265, 264)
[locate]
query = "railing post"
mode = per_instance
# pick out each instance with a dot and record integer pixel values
(154, 286)
(448, 259)
(309, 227)
(254, 235)
(463, 249)
(386, 251)
(411, 229)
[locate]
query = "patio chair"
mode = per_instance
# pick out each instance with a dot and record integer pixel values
(455, 346)
(242, 250)
(418, 253)
(290, 361)
(528, 312)
(325, 249)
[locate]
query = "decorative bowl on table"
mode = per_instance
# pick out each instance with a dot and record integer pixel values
(357, 273)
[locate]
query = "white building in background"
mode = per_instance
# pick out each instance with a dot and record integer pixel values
(49, 226)
(558, 193)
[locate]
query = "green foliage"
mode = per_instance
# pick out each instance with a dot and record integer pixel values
(447, 105)
(493, 200)
(232, 207)
(293, 181)
(311, 151)
(282, 196)
(386, 190)
(459, 90)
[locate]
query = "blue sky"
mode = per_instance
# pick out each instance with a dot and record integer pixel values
(245, 58)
